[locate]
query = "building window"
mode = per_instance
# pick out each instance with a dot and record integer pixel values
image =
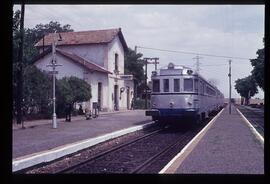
(176, 85)
(156, 85)
(166, 85)
(116, 62)
(188, 84)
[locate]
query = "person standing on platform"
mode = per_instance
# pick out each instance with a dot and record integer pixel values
(68, 110)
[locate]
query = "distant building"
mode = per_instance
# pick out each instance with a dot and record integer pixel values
(96, 57)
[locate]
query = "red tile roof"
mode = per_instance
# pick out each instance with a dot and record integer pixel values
(85, 63)
(85, 37)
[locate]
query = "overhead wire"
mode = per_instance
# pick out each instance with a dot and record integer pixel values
(194, 53)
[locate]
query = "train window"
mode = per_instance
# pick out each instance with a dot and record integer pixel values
(201, 87)
(188, 84)
(196, 85)
(210, 91)
(166, 85)
(176, 85)
(156, 85)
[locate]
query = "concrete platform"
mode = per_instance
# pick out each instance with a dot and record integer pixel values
(227, 146)
(43, 143)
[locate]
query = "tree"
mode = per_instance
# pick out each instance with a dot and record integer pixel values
(246, 87)
(31, 36)
(37, 92)
(258, 68)
(134, 65)
(70, 90)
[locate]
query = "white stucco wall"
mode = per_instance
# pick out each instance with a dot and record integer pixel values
(115, 47)
(96, 53)
(67, 69)
(94, 78)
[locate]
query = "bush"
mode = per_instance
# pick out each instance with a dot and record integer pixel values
(140, 104)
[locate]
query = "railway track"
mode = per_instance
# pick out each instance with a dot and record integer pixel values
(146, 154)
(255, 117)
(71, 168)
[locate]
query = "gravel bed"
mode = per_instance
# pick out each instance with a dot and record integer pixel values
(159, 164)
(129, 157)
(126, 159)
(80, 156)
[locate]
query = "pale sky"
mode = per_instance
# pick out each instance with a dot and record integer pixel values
(226, 30)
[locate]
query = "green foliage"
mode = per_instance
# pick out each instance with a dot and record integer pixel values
(71, 90)
(140, 103)
(37, 91)
(258, 68)
(32, 36)
(134, 65)
(246, 87)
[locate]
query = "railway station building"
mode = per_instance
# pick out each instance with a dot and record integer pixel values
(96, 57)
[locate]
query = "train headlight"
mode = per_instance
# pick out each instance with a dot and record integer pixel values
(189, 103)
(189, 72)
(171, 104)
(153, 105)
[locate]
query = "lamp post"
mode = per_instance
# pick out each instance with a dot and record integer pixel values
(54, 72)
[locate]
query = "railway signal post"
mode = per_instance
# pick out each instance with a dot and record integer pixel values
(54, 72)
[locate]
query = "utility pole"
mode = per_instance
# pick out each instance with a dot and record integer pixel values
(145, 80)
(230, 86)
(155, 62)
(145, 76)
(135, 49)
(197, 63)
(20, 69)
(54, 72)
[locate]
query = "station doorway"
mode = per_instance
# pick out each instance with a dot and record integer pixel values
(99, 96)
(128, 98)
(116, 97)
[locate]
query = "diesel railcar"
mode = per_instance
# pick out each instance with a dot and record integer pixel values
(180, 92)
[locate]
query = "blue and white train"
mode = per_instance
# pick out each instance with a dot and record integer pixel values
(178, 92)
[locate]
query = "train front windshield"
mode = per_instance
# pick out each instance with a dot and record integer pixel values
(163, 85)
